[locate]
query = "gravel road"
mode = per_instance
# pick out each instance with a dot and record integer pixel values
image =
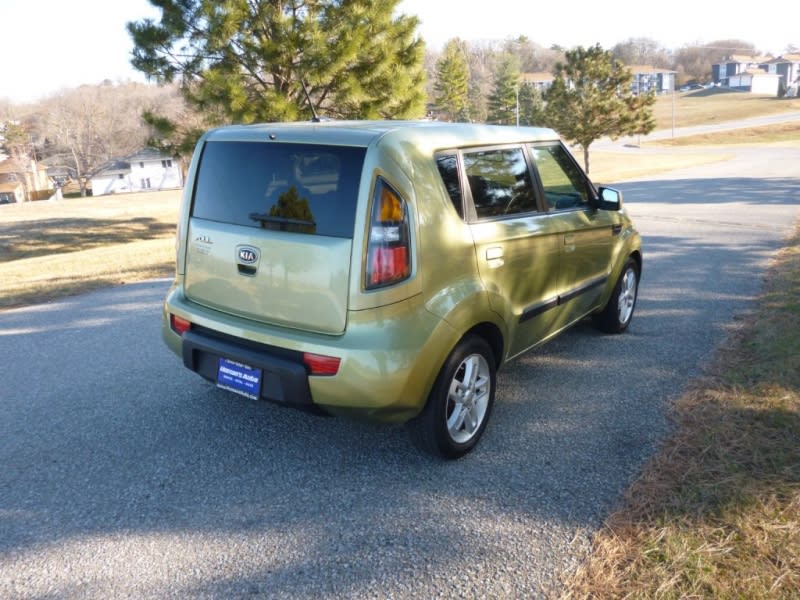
(122, 475)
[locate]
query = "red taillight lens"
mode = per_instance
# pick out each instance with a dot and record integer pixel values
(179, 325)
(388, 252)
(319, 364)
(388, 264)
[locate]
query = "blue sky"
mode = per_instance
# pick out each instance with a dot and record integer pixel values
(47, 45)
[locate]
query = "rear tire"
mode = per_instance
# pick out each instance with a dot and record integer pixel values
(460, 403)
(618, 312)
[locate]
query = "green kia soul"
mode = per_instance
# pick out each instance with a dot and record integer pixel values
(388, 269)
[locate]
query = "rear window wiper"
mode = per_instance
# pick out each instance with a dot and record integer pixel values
(283, 223)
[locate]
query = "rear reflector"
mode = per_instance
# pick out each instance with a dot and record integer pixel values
(319, 364)
(178, 325)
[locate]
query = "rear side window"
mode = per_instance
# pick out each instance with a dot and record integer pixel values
(563, 182)
(500, 182)
(448, 169)
(300, 188)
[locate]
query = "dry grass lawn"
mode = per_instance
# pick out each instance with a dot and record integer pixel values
(608, 167)
(716, 105)
(783, 133)
(52, 249)
(716, 514)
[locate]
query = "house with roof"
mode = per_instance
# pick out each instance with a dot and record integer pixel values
(648, 79)
(787, 67)
(736, 64)
(759, 75)
(541, 80)
(147, 169)
(22, 179)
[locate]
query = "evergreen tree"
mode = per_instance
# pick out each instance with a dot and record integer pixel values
(452, 82)
(245, 61)
(15, 140)
(504, 100)
(591, 97)
(531, 106)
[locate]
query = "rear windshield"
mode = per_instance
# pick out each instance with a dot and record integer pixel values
(302, 188)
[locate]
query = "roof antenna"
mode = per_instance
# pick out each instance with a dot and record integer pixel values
(316, 118)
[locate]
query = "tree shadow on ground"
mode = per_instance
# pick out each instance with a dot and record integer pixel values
(41, 237)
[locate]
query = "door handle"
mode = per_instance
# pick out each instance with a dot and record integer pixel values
(494, 253)
(569, 238)
(494, 256)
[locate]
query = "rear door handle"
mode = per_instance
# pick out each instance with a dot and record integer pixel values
(494, 256)
(494, 253)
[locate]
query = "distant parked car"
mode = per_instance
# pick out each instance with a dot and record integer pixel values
(388, 269)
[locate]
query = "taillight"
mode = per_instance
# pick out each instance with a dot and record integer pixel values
(319, 364)
(388, 249)
(179, 325)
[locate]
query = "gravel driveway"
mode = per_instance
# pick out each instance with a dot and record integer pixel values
(122, 475)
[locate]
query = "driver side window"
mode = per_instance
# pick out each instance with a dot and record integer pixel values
(563, 182)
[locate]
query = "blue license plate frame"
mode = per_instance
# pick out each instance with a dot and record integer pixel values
(239, 378)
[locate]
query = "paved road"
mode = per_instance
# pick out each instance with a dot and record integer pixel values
(124, 476)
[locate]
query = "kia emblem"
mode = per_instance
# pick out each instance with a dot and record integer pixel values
(247, 255)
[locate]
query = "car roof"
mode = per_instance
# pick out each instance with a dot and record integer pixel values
(428, 135)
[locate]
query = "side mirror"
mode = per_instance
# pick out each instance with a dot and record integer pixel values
(610, 199)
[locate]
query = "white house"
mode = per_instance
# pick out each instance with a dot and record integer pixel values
(756, 81)
(112, 178)
(147, 169)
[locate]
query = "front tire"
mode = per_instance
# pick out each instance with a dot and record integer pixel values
(460, 403)
(618, 312)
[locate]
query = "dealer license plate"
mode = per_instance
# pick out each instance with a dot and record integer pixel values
(239, 378)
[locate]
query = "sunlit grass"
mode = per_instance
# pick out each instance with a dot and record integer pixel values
(44, 278)
(716, 514)
(608, 167)
(49, 250)
(705, 107)
(782, 133)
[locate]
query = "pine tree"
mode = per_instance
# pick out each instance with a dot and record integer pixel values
(531, 106)
(591, 97)
(452, 82)
(245, 61)
(503, 102)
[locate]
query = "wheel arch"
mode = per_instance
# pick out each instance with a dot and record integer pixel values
(636, 255)
(493, 336)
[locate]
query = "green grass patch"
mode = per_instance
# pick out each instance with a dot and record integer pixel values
(716, 514)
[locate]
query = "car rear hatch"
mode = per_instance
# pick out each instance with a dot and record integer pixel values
(271, 232)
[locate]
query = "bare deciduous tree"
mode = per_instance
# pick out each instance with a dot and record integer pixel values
(85, 127)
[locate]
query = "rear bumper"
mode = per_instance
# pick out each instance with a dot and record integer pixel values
(390, 356)
(284, 380)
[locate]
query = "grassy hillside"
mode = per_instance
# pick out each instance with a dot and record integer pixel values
(717, 105)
